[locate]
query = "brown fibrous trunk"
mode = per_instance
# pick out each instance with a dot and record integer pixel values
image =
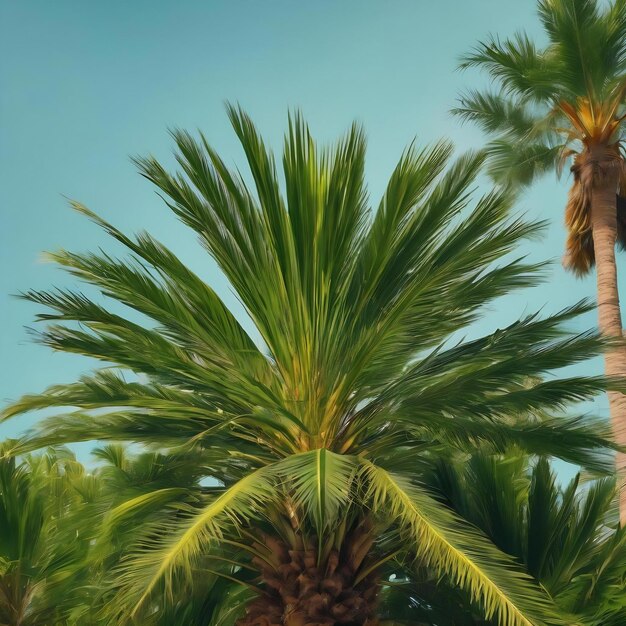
(300, 589)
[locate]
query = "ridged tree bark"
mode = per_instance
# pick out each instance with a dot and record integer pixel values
(604, 185)
(303, 590)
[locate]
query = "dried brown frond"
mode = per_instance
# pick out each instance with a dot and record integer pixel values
(579, 254)
(589, 169)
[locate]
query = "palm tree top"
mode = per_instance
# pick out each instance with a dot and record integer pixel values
(359, 377)
(578, 77)
(564, 99)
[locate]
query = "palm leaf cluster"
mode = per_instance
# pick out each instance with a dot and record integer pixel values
(40, 543)
(550, 103)
(318, 435)
(567, 537)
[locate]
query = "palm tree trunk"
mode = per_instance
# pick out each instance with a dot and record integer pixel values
(301, 590)
(604, 225)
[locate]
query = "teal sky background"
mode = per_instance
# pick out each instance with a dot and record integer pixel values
(83, 85)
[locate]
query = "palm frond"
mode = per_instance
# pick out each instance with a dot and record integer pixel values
(319, 482)
(442, 541)
(517, 64)
(520, 162)
(496, 113)
(141, 572)
(566, 536)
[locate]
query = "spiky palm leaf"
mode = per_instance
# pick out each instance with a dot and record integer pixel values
(316, 437)
(38, 495)
(567, 537)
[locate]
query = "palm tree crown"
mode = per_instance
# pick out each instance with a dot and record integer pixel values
(316, 437)
(550, 103)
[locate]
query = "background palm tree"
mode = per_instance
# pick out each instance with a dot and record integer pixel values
(314, 439)
(56, 548)
(112, 528)
(38, 496)
(567, 99)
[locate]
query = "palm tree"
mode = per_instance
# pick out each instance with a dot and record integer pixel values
(567, 100)
(22, 522)
(314, 435)
(111, 526)
(37, 496)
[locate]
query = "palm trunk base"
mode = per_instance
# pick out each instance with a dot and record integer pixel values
(302, 591)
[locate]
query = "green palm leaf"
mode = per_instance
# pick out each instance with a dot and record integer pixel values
(442, 541)
(244, 499)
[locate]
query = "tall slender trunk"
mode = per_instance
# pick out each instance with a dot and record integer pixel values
(604, 225)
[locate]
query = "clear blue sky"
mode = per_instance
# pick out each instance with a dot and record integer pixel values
(83, 85)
